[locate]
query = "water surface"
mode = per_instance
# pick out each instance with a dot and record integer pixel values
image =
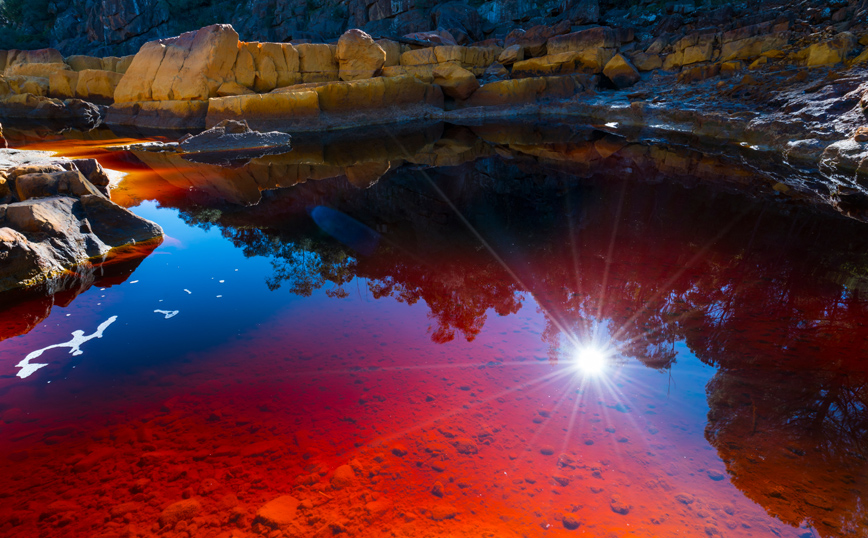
(420, 309)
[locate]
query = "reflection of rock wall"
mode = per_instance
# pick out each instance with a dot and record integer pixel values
(363, 161)
(581, 150)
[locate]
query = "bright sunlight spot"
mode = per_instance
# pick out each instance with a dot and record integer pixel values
(590, 360)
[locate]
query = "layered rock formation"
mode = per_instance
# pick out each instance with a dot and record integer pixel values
(774, 81)
(56, 214)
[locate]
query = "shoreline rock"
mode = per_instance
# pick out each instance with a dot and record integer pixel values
(55, 214)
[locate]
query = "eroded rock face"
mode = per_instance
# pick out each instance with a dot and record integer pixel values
(55, 218)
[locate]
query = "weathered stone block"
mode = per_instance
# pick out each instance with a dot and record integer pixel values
(62, 84)
(621, 72)
(456, 81)
(98, 85)
(358, 56)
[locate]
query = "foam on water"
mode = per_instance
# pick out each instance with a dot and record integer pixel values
(74, 345)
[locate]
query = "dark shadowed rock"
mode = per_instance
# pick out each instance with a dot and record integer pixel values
(461, 20)
(73, 112)
(582, 11)
(115, 225)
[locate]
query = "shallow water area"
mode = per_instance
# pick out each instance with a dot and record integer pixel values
(495, 330)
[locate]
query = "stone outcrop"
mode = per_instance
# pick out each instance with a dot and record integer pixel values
(189, 67)
(358, 56)
(56, 214)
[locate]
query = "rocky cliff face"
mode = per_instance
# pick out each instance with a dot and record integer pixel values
(118, 27)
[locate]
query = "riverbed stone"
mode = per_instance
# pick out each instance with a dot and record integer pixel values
(278, 513)
(344, 476)
(183, 510)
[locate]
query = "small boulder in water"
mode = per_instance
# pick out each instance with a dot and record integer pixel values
(232, 135)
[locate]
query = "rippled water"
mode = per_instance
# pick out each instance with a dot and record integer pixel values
(499, 337)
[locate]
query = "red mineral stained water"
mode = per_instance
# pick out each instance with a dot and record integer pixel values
(541, 355)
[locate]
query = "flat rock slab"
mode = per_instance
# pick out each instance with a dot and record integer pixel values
(229, 135)
(279, 512)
